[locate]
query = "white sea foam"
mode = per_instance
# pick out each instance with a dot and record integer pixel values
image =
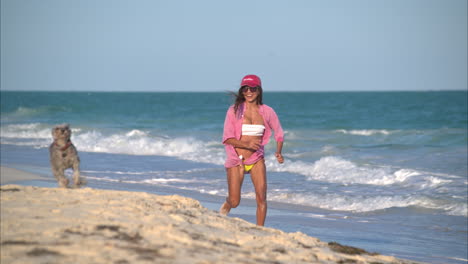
(364, 203)
(36, 144)
(122, 172)
(138, 142)
(163, 180)
(136, 133)
(460, 259)
(154, 181)
(365, 132)
(133, 142)
(338, 170)
(431, 182)
(26, 131)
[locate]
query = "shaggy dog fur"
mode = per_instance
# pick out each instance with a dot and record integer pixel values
(63, 155)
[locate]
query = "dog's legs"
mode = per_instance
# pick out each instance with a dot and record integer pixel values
(77, 181)
(60, 176)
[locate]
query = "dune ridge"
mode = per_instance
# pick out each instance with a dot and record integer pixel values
(52, 225)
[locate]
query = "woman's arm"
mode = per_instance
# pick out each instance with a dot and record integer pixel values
(279, 148)
(251, 144)
(279, 134)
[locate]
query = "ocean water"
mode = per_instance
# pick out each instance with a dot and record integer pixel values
(385, 171)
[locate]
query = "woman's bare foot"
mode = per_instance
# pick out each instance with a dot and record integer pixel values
(224, 210)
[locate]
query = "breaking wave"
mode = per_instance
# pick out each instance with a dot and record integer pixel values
(338, 170)
(365, 132)
(133, 142)
(329, 169)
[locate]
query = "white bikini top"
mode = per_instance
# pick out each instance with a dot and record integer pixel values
(252, 130)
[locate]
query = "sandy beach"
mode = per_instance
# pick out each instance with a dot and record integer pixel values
(8, 175)
(52, 225)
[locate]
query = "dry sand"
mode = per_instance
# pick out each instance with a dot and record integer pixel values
(52, 225)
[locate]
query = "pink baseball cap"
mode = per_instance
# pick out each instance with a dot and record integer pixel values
(251, 81)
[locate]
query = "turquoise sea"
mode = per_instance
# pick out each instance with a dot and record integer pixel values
(384, 171)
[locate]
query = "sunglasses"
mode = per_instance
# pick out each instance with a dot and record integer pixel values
(252, 89)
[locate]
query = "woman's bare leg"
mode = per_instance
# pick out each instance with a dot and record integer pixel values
(235, 178)
(258, 175)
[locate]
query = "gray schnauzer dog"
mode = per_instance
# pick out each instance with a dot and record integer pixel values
(63, 155)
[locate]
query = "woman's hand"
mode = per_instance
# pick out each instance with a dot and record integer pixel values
(279, 157)
(254, 144)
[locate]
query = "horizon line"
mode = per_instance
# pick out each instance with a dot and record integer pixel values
(205, 91)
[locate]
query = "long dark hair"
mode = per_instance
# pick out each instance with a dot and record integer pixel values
(239, 97)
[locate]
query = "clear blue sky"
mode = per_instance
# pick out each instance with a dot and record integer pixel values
(174, 45)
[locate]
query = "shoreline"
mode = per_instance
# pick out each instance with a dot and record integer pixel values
(9, 175)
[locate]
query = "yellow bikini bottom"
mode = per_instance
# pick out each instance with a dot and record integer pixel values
(247, 168)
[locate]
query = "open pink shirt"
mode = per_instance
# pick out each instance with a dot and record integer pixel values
(233, 129)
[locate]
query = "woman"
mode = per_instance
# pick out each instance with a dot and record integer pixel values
(247, 129)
